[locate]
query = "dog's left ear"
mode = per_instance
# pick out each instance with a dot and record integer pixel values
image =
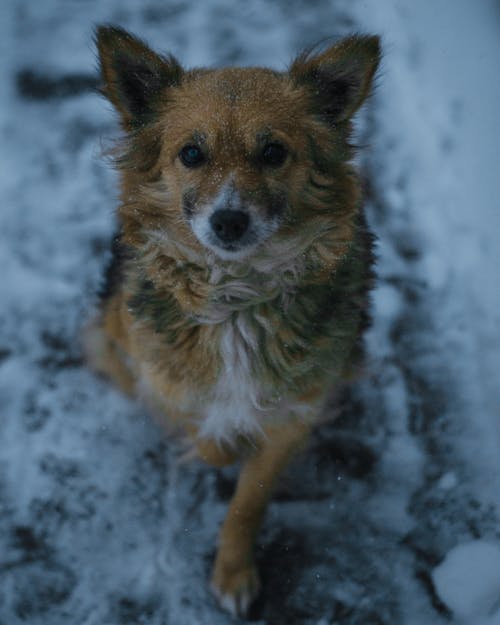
(340, 77)
(133, 75)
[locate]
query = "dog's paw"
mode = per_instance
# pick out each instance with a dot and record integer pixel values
(235, 589)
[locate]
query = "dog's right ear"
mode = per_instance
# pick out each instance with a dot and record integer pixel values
(133, 75)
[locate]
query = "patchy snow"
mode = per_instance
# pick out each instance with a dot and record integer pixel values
(468, 582)
(98, 522)
(439, 121)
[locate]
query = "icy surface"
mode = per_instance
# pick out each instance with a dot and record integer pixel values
(99, 524)
(468, 581)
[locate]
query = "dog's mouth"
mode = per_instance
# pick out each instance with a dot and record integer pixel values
(234, 250)
(231, 251)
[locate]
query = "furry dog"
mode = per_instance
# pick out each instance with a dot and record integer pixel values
(238, 289)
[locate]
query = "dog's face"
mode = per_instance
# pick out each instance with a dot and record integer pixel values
(237, 155)
(234, 154)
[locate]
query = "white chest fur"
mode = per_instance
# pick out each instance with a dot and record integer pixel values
(237, 405)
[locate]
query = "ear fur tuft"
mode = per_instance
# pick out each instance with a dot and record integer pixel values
(133, 75)
(340, 77)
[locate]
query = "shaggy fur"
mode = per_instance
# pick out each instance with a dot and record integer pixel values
(238, 345)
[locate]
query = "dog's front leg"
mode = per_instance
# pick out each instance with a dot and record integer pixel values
(235, 580)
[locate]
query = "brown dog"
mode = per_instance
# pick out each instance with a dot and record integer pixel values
(238, 288)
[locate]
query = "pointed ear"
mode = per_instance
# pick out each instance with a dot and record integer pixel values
(340, 77)
(133, 75)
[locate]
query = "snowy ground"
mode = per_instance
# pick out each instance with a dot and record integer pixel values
(393, 516)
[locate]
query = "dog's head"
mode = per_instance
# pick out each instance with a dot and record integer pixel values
(226, 160)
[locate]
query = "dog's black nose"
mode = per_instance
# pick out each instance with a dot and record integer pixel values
(229, 225)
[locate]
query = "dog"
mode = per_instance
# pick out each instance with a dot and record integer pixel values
(239, 284)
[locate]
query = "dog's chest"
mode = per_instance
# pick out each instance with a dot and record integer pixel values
(236, 404)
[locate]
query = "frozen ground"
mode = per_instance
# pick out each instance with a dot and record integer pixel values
(393, 516)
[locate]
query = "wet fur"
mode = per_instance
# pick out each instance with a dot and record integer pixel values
(239, 353)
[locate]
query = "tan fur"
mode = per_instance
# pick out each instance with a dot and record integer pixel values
(201, 336)
(234, 572)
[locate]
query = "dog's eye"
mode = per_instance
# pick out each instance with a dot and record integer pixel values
(273, 155)
(191, 156)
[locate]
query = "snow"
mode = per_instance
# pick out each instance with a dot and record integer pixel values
(468, 581)
(444, 102)
(448, 481)
(394, 515)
